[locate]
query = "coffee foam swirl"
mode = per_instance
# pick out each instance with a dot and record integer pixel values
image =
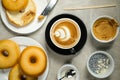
(63, 33)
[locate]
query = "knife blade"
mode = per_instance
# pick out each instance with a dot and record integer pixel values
(47, 9)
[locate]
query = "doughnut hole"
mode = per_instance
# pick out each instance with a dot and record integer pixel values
(22, 77)
(5, 53)
(33, 59)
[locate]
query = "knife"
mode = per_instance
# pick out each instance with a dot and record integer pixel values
(48, 8)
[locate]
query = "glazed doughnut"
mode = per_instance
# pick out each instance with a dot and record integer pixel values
(16, 74)
(23, 17)
(14, 5)
(33, 61)
(9, 53)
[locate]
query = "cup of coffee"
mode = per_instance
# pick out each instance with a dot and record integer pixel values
(105, 29)
(65, 33)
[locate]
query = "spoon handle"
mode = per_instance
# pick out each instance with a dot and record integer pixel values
(61, 78)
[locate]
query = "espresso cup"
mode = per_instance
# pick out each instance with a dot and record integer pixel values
(65, 33)
(104, 29)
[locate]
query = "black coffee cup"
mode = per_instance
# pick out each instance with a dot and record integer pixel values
(66, 34)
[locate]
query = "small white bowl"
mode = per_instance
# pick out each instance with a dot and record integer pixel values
(65, 68)
(100, 64)
(104, 41)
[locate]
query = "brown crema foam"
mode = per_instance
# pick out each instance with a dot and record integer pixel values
(105, 28)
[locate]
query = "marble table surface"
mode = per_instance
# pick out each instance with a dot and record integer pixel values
(87, 16)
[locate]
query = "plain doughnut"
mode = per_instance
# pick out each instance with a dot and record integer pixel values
(9, 53)
(33, 61)
(16, 74)
(14, 5)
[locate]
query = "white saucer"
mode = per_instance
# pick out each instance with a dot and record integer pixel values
(23, 42)
(30, 28)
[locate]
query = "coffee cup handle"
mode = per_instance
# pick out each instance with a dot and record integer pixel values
(72, 51)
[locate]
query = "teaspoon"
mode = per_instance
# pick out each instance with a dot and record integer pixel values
(69, 74)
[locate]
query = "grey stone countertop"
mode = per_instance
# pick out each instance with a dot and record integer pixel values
(80, 60)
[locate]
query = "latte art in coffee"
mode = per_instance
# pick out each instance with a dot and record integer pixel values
(65, 33)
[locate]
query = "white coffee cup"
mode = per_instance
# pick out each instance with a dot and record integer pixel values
(65, 33)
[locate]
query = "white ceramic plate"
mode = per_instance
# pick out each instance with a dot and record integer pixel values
(23, 42)
(30, 28)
